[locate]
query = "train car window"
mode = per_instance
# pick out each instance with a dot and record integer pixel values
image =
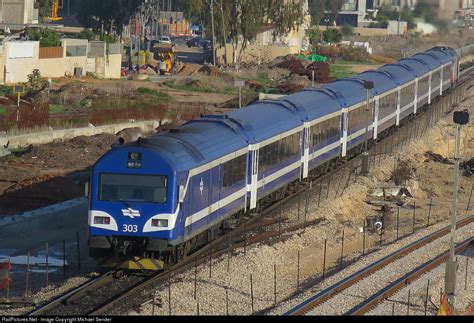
(447, 73)
(435, 79)
(325, 130)
(278, 151)
(234, 171)
(133, 188)
(407, 95)
(423, 86)
(387, 104)
(358, 119)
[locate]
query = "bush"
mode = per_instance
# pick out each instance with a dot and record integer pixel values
(347, 30)
(332, 36)
(6, 90)
(314, 36)
(87, 34)
(356, 54)
(47, 37)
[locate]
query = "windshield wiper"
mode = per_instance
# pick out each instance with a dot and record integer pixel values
(126, 203)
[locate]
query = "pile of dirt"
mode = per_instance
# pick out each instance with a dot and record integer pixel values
(188, 69)
(210, 70)
(297, 66)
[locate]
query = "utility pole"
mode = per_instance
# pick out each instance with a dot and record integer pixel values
(460, 118)
(399, 17)
(213, 37)
(365, 156)
(223, 32)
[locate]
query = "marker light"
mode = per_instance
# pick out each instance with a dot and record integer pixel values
(159, 223)
(101, 220)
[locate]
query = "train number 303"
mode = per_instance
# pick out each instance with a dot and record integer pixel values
(130, 228)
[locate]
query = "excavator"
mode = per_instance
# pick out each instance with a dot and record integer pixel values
(56, 4)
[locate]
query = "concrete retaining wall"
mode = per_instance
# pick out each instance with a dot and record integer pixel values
(66, 134)
(68, 214)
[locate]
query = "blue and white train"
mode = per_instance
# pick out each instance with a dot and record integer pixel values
(163, 194)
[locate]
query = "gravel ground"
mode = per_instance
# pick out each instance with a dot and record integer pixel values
(464, 294)
(365, 288)
(346, 213)
(46, 294)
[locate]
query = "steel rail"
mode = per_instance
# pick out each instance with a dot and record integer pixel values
(73, 294)
(400, 283)
(352, 279)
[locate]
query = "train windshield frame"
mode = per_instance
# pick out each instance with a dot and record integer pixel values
(135, 188)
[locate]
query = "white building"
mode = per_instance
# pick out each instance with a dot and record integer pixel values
(18, 12)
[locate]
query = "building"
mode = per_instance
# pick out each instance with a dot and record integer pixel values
(396, 3)
(18, 12)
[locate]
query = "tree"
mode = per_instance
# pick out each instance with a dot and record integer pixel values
(87, 34)
(44, 8)
(242, 20)
(425, 10)
(332, 36)
(47, 37)
(316, 10)
(347, 30)
(314, 36)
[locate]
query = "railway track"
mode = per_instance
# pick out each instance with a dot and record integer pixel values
(311, 305)
(400, 283)
(115, 292)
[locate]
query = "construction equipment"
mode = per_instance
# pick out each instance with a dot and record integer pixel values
(165, 54)
(54, 11)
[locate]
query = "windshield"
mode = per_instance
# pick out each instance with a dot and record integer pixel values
(133, 188)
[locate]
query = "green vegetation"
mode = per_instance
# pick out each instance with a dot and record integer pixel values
(56, 108)
(87, 34)
(195, 86)
(47, 37)
(314, 36)
(3, 110)
(347, 30)
(6, 90)
(341, 71)
(332, 35)
(154, 95)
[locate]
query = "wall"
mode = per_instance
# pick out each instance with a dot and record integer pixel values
(23, 58)
(370, 31)
(256, 53)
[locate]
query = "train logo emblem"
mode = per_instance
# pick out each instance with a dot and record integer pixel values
(131, 213)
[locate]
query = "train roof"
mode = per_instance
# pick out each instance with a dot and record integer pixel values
(418, 66)
(383, 81)
(327, 102)
(352, 89)
(199, 141)
(429, 59)
(443, 56)
(403, 73)
(266, 119)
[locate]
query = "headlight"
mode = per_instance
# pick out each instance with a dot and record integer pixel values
(159, 223)
(101, 220)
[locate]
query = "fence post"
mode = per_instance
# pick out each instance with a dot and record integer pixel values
(47, 265)
(414, 215)
(320, 189)
(398, 221)
(245, 238)
(329, 186)
(274, 284)
(299, 201)
(153, 303)
(306, 211)
(298, 273)
(227, 301)
(229, 255)
(408, 303)
(64, 259)
(78, 251)
(363, 239)
(427, 293)
(195, 278)
(279, 222)
(169, 295)
(324, 257)
(210, 262)
(429, 212)
(465, 277)
(251, 292)
(342, 251)
(27, 275)
(393, 308)
(469, 201)
(381, 238)
(197, 309)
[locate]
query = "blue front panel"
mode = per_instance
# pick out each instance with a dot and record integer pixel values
(132, 224)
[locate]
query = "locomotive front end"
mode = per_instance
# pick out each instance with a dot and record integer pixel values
(133, 204)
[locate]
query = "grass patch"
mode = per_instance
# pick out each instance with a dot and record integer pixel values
(154, 96)
(341, 71)
(3, 110)
(56, 108)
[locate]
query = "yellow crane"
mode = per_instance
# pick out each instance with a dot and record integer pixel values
(54, 11)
